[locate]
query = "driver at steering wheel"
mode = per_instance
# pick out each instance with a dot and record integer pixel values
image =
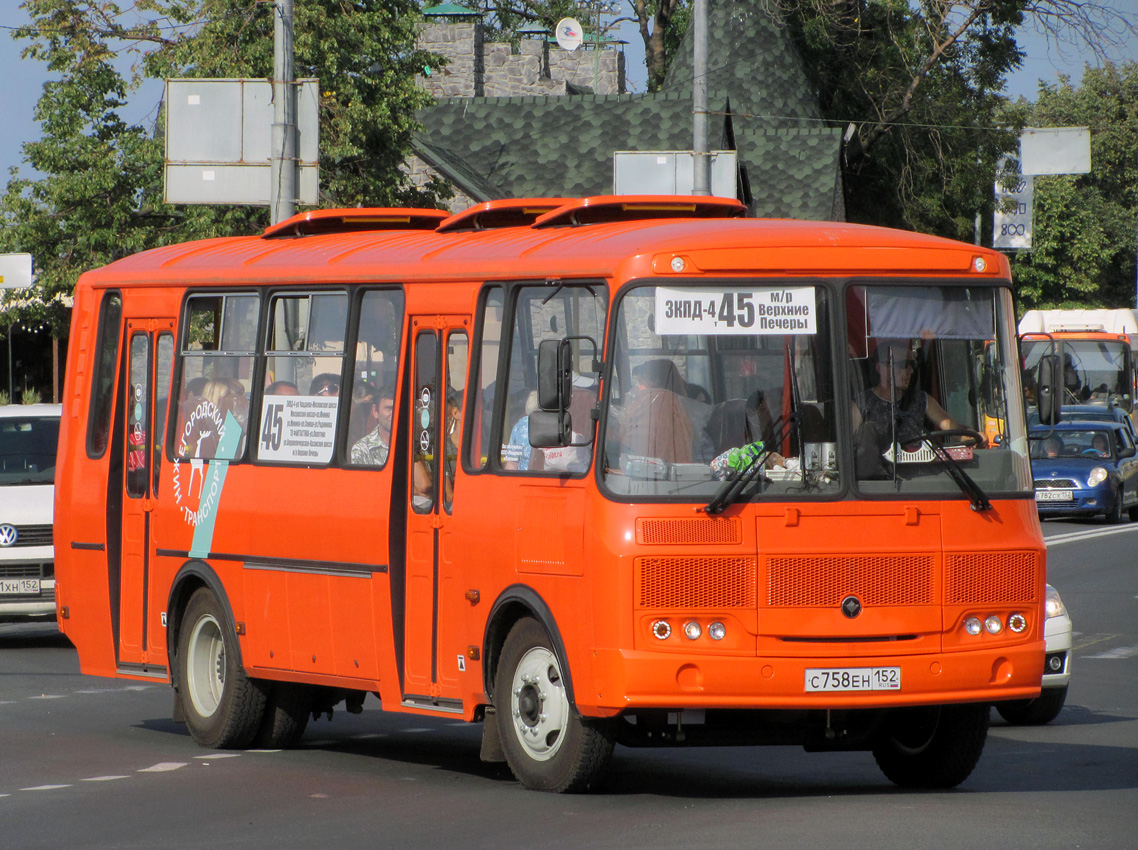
(896, 407)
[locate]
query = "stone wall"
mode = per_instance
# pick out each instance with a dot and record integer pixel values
(478, 69)
(461, 45)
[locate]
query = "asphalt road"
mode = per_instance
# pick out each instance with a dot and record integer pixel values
(97, 763)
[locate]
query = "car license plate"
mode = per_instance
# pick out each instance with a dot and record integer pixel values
(19, 586)
(1054, 495)
(854, 679)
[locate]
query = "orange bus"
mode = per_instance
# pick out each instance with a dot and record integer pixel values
(632, 470)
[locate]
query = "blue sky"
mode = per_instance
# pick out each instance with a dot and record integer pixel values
(25, 79)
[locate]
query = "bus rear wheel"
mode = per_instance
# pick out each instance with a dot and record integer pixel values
(287, 706)
(548, 746)
(223, 708)
(932, 746)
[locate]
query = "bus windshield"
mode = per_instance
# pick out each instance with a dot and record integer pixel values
(1095, 371)
(712, 382)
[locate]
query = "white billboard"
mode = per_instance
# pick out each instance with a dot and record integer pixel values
(1055, 150)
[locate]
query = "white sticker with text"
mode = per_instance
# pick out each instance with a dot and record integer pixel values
(736, 310)
(297, 428)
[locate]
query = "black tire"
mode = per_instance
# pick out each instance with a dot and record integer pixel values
(223, 707)
(1114, 515)
(1133, 513)
(1034, 712)
(548, 746)
(933, 746)
(287, 707)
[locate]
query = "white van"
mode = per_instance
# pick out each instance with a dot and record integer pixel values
(29, 434)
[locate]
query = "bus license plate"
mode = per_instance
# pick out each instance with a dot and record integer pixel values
(19, 586)
(854, 679)
(1054, 495)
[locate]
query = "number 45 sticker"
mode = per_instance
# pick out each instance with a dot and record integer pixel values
(736, 310)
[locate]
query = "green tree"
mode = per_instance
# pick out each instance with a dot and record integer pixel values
(918, 86)
(365, 58)
(100, 196)
(1083, 240)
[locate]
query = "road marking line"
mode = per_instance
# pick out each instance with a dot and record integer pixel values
(1116, 653)
(103, 778)
(45, 788)
(164, 766)
(1093, 639)
(262, 751)
(220, 756)
(1074, 536)
(50, 696)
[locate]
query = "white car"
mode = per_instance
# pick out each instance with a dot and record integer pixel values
(1056, 670)
(29, 434)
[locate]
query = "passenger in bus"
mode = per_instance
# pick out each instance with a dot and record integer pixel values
(517, 452)
(282, 388)
(655, 423)
(895, 408)
(373, 447)
(325, 384)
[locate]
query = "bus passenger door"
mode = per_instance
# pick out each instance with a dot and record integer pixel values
(437, 365)
(144, 395)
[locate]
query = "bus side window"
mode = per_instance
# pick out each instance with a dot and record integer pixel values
(300, 405)
(219, 334)
(482, 401)
(539, 315)
(103, 375)
(164, 372)
(373, 373)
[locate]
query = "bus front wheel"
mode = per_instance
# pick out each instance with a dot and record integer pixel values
(548, 746)
(932, 746)
(223, 708)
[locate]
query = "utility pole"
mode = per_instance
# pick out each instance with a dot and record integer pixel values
(701, 159)
(283, 191)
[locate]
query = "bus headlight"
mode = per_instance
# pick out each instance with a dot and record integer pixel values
(692, 629)
(1097, 476)
(994, 625)
(1017, 623)
(717, 631)
(661, 630)
(973, 626)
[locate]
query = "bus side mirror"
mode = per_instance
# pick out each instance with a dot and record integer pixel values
(1049, 384)
(554, 374)
(550, 429)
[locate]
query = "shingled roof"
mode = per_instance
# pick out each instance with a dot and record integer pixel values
(758, 95)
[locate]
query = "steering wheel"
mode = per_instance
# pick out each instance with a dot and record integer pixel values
(1092, 453)
(976, 437)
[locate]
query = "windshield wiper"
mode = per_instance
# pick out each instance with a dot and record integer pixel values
(976, 495)
(735, 484)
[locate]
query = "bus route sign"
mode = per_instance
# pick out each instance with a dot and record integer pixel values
(738, 310)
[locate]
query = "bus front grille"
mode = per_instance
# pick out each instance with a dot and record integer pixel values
(824, 581)
(989, 577)
(695, 582)
(705, 530)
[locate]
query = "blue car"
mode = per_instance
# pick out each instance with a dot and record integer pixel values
(1085, 468)
(1087, 413)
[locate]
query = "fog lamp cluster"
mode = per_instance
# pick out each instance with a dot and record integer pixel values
(691, 629)
(994, 624)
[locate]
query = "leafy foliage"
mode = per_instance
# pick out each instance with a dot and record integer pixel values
(100, 196)
(1084, 225)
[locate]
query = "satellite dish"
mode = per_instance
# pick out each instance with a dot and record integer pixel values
(569, 34)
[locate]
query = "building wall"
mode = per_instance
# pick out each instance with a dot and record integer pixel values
(476, 68)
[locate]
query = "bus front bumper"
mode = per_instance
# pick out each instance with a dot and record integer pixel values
(631, 679)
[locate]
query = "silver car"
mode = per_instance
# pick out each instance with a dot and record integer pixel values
(29, 434)
(1056, 670)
